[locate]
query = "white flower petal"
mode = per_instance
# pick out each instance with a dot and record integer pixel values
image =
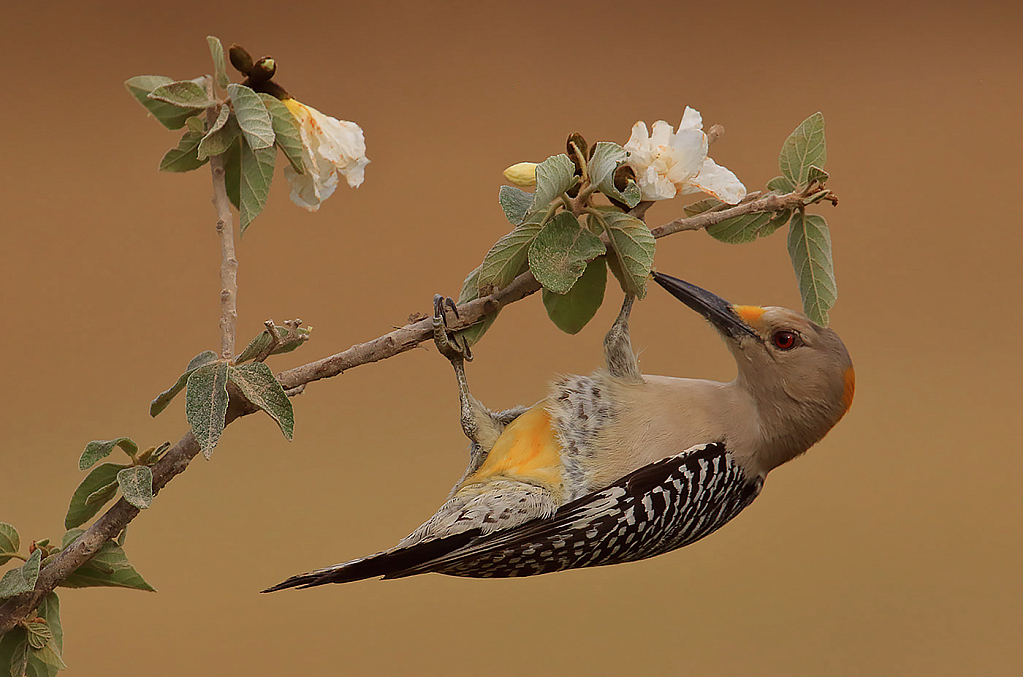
(640, 138)
(690, 148)
(691, 119)
(661, 135)
(719, 182)
(330, 148)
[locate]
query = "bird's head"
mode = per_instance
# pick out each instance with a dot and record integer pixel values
(799, 373)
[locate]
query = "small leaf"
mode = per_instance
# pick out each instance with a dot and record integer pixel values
(137, 485)
(604, 160)
(10, 542)
(260, 387)
(257, 171)
(164, 398)
(554, 176)
(804, 147)
(560, 251)
(81, 510)
(183, 93)
(217, 52)
(100, 449)
(287, 133)
(780, 184)
(288, 339)
(206, 404)
(252, 116)
(196, 124)
(740, 229)
(109, 568)
(779, 220)
(49, 659)
(185, 156)
(169, 115)
(38, 634)
(810, 249)
(233, 171)
(471, 292)
(508, 257)
(815, 173)
(22, 579)
(101, 497)
(633, 245)
(570, 312)
(703, 206)
(220, 137)
(515, 203)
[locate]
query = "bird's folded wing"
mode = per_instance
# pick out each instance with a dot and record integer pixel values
(657, 508)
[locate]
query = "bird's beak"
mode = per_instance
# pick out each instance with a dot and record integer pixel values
(717, 310)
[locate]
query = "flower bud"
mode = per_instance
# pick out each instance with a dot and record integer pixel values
(240, 59)
(262, 70)
(523, 174)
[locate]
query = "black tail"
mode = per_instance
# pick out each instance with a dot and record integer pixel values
(389, 564)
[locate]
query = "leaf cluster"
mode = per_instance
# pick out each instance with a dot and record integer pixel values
(241, 126)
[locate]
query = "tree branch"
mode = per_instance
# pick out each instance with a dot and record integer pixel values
(177, 457)
(228, 259)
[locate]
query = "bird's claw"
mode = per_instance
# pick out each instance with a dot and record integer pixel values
(451, 346)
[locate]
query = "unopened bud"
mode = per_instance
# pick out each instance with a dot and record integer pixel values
(523, 174)
(262, 70)
(576, 141)
(240, 59)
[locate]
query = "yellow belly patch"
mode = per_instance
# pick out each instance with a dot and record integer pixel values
(527, 451)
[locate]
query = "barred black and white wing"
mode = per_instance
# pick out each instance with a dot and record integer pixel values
(656, 509)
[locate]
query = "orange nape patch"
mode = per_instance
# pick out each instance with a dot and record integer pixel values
(749, 314)
(527, 450)
(850, 388)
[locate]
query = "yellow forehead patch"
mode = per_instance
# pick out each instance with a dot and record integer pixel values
(850, 388)
(749, 314)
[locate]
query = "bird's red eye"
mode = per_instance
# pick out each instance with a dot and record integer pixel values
(785, 340)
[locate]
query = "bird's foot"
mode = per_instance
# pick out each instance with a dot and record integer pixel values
(455, 348)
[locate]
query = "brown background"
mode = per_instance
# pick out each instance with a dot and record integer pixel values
(893, 548)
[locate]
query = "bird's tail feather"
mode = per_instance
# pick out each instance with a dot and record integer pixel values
(389, 563)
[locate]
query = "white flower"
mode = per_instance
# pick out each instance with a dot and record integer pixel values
(669, 163)
(330, 148)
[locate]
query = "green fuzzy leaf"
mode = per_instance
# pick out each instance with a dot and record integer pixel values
(508, 257)
(570, 312)
(220, 137)
(560, 251)
(780, 184)
(100, 449)
(10, 542)
(703, 206)
(184, 94)
(96, 489)
(38, 634)
(22, 579)
(815, 173)
(108, 568)
(164, 398)
(217, 53)
(23, 658)
(554, 176)
(287, 341)
(185, 156)
(810, 250)
(256, 174)
(196, 124)
(137, 485)
(233, 171)
(206, 404)
(633, 245)
(605, 159)
(779, 220)
(471, 292)
(287, 133)
(261, 388)
(515, 203)
(804, 147)
(252, 116)
(169, 115)
(740, 229)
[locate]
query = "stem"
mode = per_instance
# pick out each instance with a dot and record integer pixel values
(177, 457)
(228, 259)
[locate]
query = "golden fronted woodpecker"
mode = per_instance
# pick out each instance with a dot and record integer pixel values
(619, 466)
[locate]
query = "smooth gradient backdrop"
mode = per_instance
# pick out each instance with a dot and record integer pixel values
(893, 548)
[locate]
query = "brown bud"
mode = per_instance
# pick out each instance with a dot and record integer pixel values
(263, 70)
(623, 175)
(269, 87)
(576, 141)
(240, 59)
